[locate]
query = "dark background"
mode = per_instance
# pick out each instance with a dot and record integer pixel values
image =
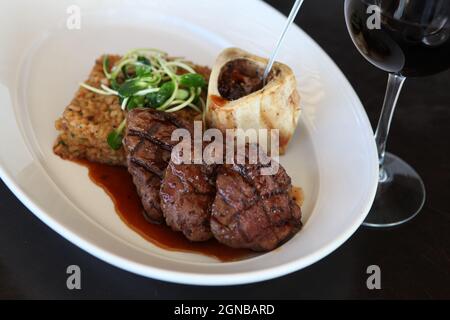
(414, 258)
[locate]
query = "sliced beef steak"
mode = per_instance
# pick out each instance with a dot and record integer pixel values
(148, 146)
(187, 193)
(235, 203)
(251, 210)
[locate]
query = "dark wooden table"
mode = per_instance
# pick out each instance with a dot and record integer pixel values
(414, 258)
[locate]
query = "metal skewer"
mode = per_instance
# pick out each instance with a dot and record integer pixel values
(292, 15)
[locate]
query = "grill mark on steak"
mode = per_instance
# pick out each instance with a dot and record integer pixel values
(150, 138)
(251, 210)
(151, 134)
(154, 162)
(148, 146)
(187, 192)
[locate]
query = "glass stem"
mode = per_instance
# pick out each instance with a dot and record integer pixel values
(394, 86)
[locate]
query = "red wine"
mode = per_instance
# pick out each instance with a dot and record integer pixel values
(412, 40)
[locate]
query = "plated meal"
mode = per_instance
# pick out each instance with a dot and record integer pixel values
(330, 157)
(121, 124)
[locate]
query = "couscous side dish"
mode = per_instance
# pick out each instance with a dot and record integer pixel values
(86, 122)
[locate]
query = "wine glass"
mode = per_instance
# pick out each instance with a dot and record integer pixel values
(406, 38)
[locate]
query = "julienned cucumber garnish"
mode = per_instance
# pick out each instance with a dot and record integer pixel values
(147, 78)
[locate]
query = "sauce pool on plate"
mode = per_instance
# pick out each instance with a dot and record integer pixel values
(118, 184)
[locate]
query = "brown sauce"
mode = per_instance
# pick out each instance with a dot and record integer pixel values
(218, 101)
(118, 184)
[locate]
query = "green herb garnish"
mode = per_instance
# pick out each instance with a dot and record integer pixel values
(106, 66)
(143, 60)
(143, 70)
(131, 87)
(147, 78)
(192, 80)
(115, 137)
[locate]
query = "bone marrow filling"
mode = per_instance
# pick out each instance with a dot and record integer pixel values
(239, 78)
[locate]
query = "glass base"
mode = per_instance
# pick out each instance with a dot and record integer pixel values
(400, 194)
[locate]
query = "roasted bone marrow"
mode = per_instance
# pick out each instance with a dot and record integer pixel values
(238, 99)
(238, 78)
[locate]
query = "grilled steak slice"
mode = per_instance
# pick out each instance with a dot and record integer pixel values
(187, 192)
(251, 210)
(148, 147)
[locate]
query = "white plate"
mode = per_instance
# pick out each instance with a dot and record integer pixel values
(333, 156)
